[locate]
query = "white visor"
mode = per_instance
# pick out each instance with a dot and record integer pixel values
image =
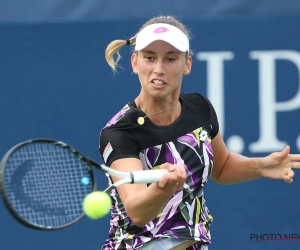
(164, 32)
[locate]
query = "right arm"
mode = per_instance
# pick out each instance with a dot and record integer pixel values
(143, 203)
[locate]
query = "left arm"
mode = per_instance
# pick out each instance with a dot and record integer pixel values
(231, 168)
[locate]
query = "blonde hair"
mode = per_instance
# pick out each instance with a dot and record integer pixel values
(112, 52)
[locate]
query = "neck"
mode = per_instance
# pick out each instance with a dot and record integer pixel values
(141, 120)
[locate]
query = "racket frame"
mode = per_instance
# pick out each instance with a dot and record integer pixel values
(86, 161)
(139, 176)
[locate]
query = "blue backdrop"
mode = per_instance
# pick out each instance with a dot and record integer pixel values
(54, 82)
(87, 10)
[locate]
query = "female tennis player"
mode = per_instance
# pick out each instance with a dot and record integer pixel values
(165, 128)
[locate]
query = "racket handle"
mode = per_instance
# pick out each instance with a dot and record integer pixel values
(147, 176)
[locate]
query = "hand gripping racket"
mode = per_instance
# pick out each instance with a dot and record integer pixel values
(43, 183)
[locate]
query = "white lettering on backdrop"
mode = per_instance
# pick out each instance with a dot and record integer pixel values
(268, 106)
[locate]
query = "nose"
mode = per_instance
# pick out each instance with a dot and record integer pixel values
(159, 68)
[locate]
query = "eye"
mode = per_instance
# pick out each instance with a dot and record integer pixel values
(149, 58)
(171, 59)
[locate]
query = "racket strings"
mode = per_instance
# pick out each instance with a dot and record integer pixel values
(43, 184)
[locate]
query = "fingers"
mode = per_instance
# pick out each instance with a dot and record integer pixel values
(163, 180)
(180, 176)
(295, 161)
(284, 153)
(174, 180)
(168, 166)
(288, 178)
(293, 158)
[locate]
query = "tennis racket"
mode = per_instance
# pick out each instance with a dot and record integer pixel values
(43, 183)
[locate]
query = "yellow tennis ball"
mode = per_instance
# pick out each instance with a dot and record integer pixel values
(96, 204)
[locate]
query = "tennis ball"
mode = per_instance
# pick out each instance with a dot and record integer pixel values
(96, 204)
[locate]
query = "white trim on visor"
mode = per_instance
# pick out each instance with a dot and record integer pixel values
(164, 32)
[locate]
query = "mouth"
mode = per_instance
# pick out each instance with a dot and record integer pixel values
(157, 82)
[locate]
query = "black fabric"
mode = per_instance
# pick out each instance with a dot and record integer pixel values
(128, 138)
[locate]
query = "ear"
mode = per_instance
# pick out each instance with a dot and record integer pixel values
(134, 63)
(188, 66)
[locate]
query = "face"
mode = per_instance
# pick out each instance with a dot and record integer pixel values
(160, 68)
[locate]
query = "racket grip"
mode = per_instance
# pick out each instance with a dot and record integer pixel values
(147, 176)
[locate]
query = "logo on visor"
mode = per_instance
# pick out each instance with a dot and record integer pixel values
(160, 30)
